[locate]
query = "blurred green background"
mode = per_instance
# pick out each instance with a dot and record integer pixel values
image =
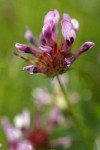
(16, 85)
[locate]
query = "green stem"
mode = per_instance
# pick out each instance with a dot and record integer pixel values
(79, 124)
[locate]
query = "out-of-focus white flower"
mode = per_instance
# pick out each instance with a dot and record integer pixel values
(22, 120)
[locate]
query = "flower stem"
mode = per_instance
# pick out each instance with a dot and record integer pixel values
(79, 124)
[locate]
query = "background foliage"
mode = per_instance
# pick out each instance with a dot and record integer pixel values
(16, 85)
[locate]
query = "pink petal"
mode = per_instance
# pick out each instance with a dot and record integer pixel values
(26, 49)
(52, 16)
(67, 30)
(32, 69)
(29, 36)
(46, 49)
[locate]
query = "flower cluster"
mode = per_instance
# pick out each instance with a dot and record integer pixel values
(35, 135)
(53, 58)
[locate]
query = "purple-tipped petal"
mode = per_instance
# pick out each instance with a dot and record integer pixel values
(46, 34)
(52, 16)
(46, 49)
(68, 32)
(69, 28)
(49, 33)
(86, 46)
(26, 49)
(29, 36)
(32, 69)
(74, 22)
(42, 39)
(24, 146)
(47, 29)
(29, 68)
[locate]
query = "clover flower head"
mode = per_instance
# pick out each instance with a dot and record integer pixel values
(53, 58)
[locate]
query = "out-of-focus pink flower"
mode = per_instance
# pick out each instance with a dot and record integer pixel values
(55, 116)
(22, 146)
(12, 133)
(23, 137)
(42, 97)
(52, 58)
